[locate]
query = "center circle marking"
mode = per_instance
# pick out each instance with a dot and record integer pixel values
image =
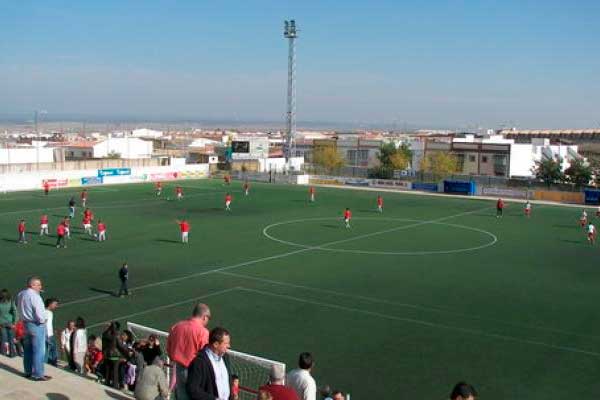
(493, 239)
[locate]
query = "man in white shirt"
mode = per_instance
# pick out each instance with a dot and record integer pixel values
(31, 310)
(301, 380)
(51, 349)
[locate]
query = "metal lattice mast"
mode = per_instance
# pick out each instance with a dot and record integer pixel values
(291, 34)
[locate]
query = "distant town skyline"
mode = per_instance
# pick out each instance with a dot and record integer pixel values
(435, 64)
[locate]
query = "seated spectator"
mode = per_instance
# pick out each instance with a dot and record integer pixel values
(152, 384)
(338, 395)
(235, 388)
(19, 336)
(325, 392)
(93, 357)
(463, 391)
(276, 387)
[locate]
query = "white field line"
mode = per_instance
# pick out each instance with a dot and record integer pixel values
(425, 323)
(404, 305)
(108, 205)
(244, 264)
(163, 307)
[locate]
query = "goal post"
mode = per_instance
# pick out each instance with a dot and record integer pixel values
(253, 371)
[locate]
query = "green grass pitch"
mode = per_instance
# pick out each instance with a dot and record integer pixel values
(402, 305)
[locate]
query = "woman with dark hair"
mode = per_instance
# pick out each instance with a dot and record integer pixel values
(8, 319)
(79, 345)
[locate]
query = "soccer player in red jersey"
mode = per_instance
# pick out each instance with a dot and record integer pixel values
(179, 192)
(227, 180)
(21, 230)
(84, 197)
(60, 236)
(583, 218)
(67, 223)
(46, 187)
(499, 208)
(184, 227)
(347, 217)
(158, 186)
(44, 225)
(228, 202)
(101, 231)
(246, 188)
(379, 203)
(311, 193)
(87, 223)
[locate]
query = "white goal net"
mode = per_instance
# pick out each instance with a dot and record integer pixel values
(252, 371)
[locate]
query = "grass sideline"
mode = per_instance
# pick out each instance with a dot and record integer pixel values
(516, 318)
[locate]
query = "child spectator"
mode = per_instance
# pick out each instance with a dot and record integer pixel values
(19, 336)
(93, 357)
(235, 387)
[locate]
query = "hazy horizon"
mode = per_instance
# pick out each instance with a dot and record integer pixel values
(437, 64)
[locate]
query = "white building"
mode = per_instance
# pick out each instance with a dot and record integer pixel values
(146, 133)
(126, 147)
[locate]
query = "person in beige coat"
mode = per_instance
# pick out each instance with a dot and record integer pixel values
(152, 383)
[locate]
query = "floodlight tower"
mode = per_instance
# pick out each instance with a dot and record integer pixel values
(291, 34)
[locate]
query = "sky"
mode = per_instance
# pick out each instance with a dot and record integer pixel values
(455, 64)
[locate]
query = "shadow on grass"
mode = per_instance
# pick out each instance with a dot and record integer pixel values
(10, 240)
(103, 291)
(579, 242)
(331, 226)
(566, 226)
(47, 244)
(88, 239)
(168, 241)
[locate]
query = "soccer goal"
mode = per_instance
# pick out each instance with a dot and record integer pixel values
(253, 371)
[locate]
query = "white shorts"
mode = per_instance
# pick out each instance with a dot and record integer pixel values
(87, 226)
(184, 235)
(102, 235)
(67, 230)
(44, 226)
(227, 203)
(179, 195)
(346, 220)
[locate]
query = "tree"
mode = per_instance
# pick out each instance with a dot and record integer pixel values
(579, 172)
(113, 155)
(440, 164)
(391, 158)
(549, 170)
(328, 158)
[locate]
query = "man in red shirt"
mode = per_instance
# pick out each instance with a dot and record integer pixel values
(184, 227)
(87, 224)
(46, 187)
(379, 203)
(227, 202)
(186, 339)
(158, 186)
(44, 225)
(311, 192)
(276, 386)
(60, 236)
(84, 196)
(347, 217)
(101, 231)
(499, 208)
(179, 192)
(21, 230)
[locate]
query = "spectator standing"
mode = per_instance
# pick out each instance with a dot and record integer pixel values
(208, 377)
(301, 380)
(124, 278)
(8, 319)
(79, 345)
(276, 387)
(152, 383)
(338, 395)
(112, 350)
(186, 339)
(51, 349)
(31, 310)
(151, 350)
(463, 391)
(65, 342)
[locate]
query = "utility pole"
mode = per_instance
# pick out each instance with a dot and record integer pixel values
(291, 34)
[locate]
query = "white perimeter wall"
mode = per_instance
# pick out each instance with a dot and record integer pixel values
(26, 156)
(33, 181)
